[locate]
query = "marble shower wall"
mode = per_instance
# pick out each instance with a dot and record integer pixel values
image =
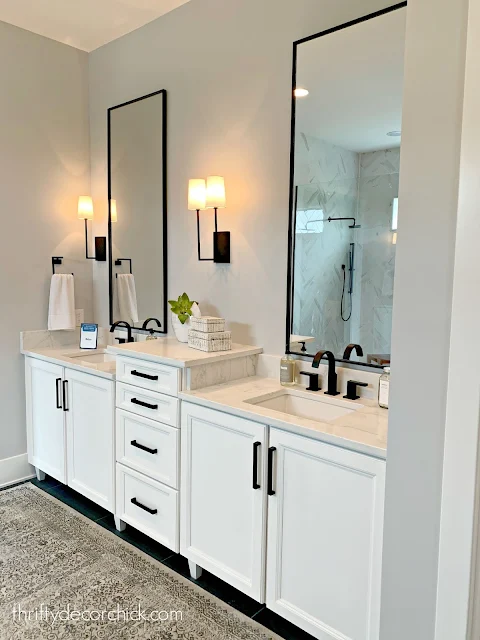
(326, 177)
(336, 182)
(373, 299)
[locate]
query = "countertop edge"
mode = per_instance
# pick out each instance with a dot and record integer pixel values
(343, 443)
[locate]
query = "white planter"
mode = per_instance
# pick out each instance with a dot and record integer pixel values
(180, 330)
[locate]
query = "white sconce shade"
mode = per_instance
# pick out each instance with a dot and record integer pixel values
(197, 194)
(113, 211)
(85, 208)
(216, 192)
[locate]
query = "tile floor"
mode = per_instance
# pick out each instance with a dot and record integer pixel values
(210, 583)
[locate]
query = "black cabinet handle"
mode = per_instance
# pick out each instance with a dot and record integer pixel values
(65, 395)
(143, 375)
(256, 447)
(59, 404)
(134, 443)
(142, 506)
(144, 404)
(270, 489)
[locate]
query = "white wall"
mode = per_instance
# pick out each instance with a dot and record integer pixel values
(44, 160)
(461, 476)
(422, 301)
(227, 68)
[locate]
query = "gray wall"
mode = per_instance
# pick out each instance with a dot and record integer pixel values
(428, 196)
(227, 68)
(44, 159)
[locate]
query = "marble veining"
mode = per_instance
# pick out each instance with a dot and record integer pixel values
(44, 339)
(332, 181)
(208, 375)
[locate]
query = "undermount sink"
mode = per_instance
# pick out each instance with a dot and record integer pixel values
(295, 403)
(99, 357)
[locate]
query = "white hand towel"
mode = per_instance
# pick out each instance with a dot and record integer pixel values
(61, 310)
(127, 298)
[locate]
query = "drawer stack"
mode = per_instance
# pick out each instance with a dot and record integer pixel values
(148, 448)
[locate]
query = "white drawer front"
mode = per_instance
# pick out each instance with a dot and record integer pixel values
(148, 375)
(155, 406)
(149, 447)
(148, 506)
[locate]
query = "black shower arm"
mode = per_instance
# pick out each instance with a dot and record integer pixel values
(352, 226)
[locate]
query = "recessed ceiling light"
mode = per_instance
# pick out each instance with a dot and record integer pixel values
(300, 93)
(394, 134)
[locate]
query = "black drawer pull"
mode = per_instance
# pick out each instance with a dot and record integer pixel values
(270, 489)
(59, 404)
(256, 447)
(134, 443)
(144, 404)
(142, 506)
(65, 395)
(144, 375)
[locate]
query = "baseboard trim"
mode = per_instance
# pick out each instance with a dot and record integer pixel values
(16, 469)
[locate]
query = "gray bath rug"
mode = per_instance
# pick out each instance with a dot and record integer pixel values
(62, 577)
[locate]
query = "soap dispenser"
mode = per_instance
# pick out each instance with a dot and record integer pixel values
(287, 371)
(384, 388)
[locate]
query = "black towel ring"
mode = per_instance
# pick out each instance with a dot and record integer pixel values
(56, 260)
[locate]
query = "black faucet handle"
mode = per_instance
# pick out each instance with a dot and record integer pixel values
(352, 389)
(313, 386)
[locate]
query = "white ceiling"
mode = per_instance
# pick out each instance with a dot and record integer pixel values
(84, 24)
(355, 79)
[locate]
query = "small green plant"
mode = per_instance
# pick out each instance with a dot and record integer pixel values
(182, 307)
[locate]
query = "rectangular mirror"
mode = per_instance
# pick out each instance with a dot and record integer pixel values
(346, 133)
(137, 195)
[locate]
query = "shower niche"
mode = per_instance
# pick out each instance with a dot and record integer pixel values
(344, 189)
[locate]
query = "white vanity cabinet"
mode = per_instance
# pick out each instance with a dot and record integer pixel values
(45, 418)
(223, 506)
(70, 428)
(322, 547)
(325, 529)
(148, 449)
(90, 437)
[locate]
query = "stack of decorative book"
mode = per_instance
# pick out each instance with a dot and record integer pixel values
(208, 334)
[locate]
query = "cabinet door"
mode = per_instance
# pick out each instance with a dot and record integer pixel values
(325, 528)
(45, 421)
(222, 514)
(90, 452)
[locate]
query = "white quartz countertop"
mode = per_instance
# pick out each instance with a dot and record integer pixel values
(71, 357)
(364, 430)
(177, 354)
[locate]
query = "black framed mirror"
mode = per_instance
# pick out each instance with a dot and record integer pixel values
(137, 220)
(344, 174)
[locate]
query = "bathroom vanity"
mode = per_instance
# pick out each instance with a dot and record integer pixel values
(279, 492)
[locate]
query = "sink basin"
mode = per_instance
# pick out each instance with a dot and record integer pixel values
(295, 403)
(94, 358)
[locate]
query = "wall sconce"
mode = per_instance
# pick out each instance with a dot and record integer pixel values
(85, 212)
(113, 211)
(210, 195)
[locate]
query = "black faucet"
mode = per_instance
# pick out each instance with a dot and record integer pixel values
(332, 376)
(123, 323)
(352, 347)
(145, 324)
